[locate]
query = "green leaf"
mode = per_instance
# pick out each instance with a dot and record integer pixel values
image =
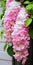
(26, 2)
(5, 46)
(10, 50)
(29, 7)
(31, 16)
(3, 11)
(1, 33)
(31, 11)
(3, 5)
(1, 15)
(31, 33)
(28, 22)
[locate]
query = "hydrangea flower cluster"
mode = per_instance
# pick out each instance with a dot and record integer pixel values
(7, 3)
(16, 31)
(21, 37)
(21, 44)
(9, 21)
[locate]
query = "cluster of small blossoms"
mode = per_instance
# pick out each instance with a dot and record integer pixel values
(7, 3)
(20, 37)
(9, 21)
(12, 4)
(16, 31)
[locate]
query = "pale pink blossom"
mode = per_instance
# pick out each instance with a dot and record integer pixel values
(7, 3)
(12, 3)
(9, 21)
(15, 30)
(20, 37)
(20, 41)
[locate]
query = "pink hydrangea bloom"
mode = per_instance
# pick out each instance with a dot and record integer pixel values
(21, 44)
(9, 22)
(12, 4)
(7, 3)
(20, 37)
(15, 30)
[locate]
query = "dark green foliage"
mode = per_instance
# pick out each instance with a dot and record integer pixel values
(31, 33)
(17, 0)
(29, 7)
(10, 50)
